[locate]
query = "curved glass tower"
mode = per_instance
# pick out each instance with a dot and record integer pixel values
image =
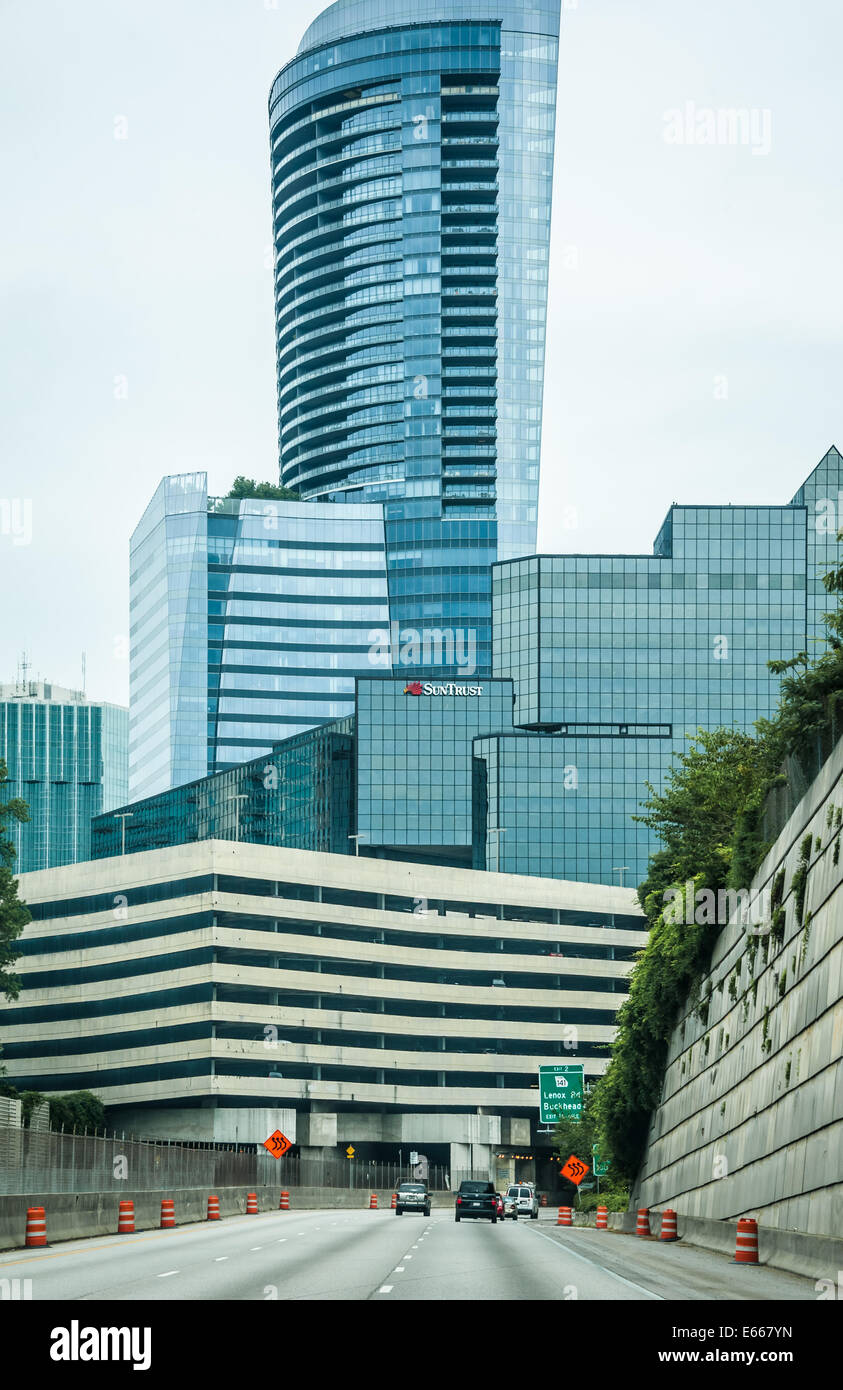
(411, 176)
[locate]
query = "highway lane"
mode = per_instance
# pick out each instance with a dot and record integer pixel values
(359, 1255)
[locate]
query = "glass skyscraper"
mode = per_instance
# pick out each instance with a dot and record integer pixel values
(412, 164)
(616, 659)
(67, 758)
(300, 795)
(249, 621)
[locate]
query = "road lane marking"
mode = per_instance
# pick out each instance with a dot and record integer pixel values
(399, 1269)
(577, 1256)
(168, 1273)
(282, 1240)
(88, 1249)
(385, 1288)
(219, 1259)
(256, 1247)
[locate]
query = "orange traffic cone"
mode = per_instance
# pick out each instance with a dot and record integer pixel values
(284, 1204)
(394, 1202)
(668, 1231)
(642, 1227)
(543, 1199)
(36, 1226)
(602, 1221)
(168, 1212)
(746, 1247)
(126, 1218)
(564, 1217)
(251, 1204)
(373, 1202)
(213, 1208)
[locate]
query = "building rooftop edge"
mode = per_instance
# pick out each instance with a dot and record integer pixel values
(349, 871)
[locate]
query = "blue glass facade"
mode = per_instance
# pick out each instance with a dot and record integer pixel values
(414, 763)
(300, 795)
(249, 621)
(67, 758)
(411, 174)
(617, 659)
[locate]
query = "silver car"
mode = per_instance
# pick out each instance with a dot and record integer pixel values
(521, 1200)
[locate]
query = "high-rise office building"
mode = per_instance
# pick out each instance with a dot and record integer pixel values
(249, 621)
(604, 665)
(412, 160)
(67, 758)
(617, 659)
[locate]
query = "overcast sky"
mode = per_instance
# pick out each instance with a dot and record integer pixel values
(694, 337)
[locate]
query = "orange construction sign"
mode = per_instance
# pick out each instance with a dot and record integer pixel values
(277, 1144)
(575, 1170)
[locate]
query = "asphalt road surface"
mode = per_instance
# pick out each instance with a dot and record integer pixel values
(372, 1255)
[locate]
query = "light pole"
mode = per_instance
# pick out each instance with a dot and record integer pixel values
(123, 816)
(357, 838)
(497, 830)
(237, 797)
(620, 869)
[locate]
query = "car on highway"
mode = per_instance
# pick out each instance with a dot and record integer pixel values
(521, 1200)
(412, 1196)
(475, 1198)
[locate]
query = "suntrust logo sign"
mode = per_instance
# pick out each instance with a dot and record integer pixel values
(449, 688)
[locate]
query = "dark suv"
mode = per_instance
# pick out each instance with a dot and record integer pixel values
(412, 1196)
(476, 1199)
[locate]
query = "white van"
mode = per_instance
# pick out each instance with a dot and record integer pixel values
(521, 1200)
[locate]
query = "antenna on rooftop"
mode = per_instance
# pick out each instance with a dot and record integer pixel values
(84, 656)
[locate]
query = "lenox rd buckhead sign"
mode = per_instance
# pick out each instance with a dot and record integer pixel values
(449, 688)
(561, 1092)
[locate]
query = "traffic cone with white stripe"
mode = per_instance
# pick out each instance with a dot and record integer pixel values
(602, 1220)
(251, 1204)
(746, 1247)
(642, 1227)
(36, 1226)
(668, 1230)
(168, 1213)
(213, 1208)
(126, 1218)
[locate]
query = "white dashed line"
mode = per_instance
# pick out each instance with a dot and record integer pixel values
(168, 1273)
(219, 1259)
(257, 1247)
(399, 1269)
(385, 1288)
(282, 1240)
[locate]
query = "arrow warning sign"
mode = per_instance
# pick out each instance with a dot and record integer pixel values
(277, 1144)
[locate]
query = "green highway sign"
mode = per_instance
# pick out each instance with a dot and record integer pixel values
(561, 1092)
(600, 1169)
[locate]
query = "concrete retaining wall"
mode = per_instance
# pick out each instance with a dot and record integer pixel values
(751, 1116)
(817, 1257)
(74, 1216)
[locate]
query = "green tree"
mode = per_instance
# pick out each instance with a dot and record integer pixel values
(13, 913)
(79, 1110)
(707, 788)
(248, 487)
